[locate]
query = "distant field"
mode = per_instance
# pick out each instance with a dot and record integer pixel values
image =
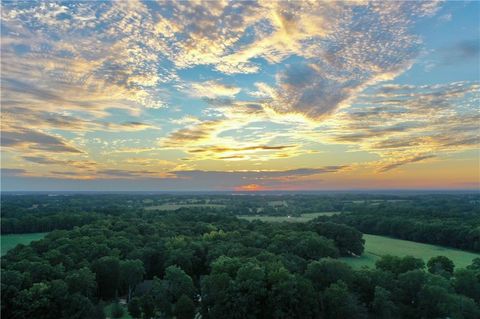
(177, 206)
(10, 241)
(376, 246)
(294, 219)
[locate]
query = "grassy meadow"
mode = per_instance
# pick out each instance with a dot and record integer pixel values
(10, 241)
(376, 246)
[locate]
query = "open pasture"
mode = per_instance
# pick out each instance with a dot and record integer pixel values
(10, 241)
(377, 246)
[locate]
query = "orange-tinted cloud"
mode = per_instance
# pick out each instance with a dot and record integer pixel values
(250, 188)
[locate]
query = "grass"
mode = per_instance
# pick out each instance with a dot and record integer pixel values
(108, 311)
(294, 219)
(377, 246)
(10, 241)
(172, 207)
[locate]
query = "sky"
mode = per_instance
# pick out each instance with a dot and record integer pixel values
(239, 96)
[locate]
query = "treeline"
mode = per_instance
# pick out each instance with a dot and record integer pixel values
(180, 264)
(44, 213)
(34, 223)
(446, 221)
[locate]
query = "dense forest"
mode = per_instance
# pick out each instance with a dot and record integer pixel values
(197, 257)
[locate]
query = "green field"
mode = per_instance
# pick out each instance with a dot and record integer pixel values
(172, 206)
(376, 246)
(10, 241)
(294, 219)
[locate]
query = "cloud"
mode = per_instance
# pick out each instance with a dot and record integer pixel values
(41, 160)
(398, 163)
(411, 123)
(213, 89)
(361, 50)
(445, 17)
(41, 119)
(86, 166)
(218, 149)
(73, 69)
(250, 188)
(262, 179)
(113, 49)
(120, 173)
(250, 152)
(68, 174)
(24, 138)
(193, 134)
(462, 51)
(12, 171)
(258, 175)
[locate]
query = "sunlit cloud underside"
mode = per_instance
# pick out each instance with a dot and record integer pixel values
(245, 96)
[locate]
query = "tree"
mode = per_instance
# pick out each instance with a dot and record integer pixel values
(178, 283)
(215, 295)
(348, 240)
(248, 291)
(340, 303)
(12, 282)
(441, 265)
(78, 306)
(327, 271)
(82, 281)
(409, 284)
(291, 296)
(148, 306)
(131, 274)
(308, 245)
(97, 312)
(117, 310)
(174, 284)
(382, 305)
(107, 274)
(467, 283)
(184, 308)
(399, 265)
(134, 308)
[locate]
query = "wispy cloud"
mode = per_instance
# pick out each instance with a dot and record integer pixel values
(397, 163)
(12, 171)
(213, 89)
(412, 123)
(24, 138)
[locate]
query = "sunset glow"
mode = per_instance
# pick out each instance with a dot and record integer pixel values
(240, 96)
